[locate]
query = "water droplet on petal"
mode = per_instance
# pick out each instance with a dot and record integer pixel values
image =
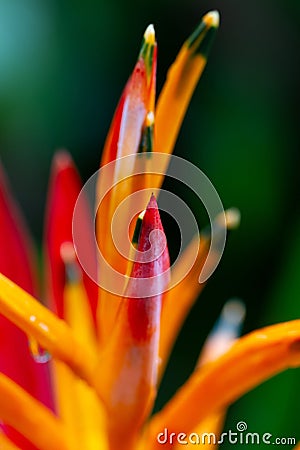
(40, 355)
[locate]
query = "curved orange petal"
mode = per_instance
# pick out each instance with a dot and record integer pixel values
(250, 361)
(179, 300)
(52, 333)
(219, 340)
(23, 412)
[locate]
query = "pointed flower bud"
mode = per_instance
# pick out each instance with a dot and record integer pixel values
(130, 364)
(136, 101)
(131, 132)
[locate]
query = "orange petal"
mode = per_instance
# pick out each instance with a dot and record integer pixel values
(250, 361)
(80, 410)
(178, 89)
(220, 339)
(179, 300)
(181, 81)
(25, 414)
(52, 333)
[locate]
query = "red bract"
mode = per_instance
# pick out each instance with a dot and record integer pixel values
(17, 263)
(65, 186)
(130, 360)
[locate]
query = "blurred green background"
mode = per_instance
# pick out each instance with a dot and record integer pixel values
(63, 65)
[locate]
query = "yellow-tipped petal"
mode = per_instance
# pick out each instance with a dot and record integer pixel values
(149, 54)
(181, 82)
(132, 131)
(64, 380)
(91, 417)
(52, 333)
(178, 89)
(21, 411)
(6, 444)
(136, 101)
(149, 35)
(77, 311)
(80, 407)
(250, 361)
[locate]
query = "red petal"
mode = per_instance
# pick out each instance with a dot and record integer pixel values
(132, 351)
(137, 100)
(111, 144)
(16, 256)
(65, 186)
(140, 312)
(16, 262)
(126, 128)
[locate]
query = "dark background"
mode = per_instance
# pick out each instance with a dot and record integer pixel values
(63, 65)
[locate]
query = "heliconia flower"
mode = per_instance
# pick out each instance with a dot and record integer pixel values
(81, 370)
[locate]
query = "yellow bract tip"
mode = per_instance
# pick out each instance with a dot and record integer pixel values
(141, 215)
(233, 218)
(150, 119)
(212, 19)
(149, 35)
